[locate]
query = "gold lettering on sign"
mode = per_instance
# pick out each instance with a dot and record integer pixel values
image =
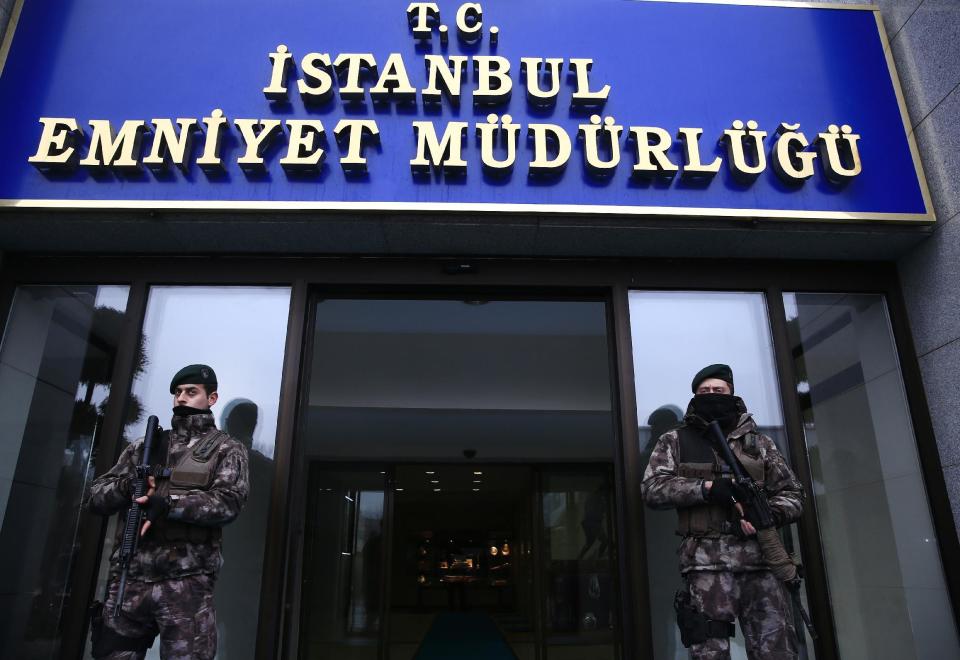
(444, 152)
(545, 135)
(739, 140)
(550, 146)
(419, 15)
(536, 96)
(791, 163)
(169, 145)
(57, 143)
(470, 22)
(257, 134)
(583, 97)
(492, 69)
(393, 82)
(591, 144)
(833, 153)
(488, 133)
(355, 130)
(120, 150)
(449, 75)
(303, 151)
(316, 70)
(350, 66)
(280, 61)
(210, 159)
(652, 146)
(693, 166)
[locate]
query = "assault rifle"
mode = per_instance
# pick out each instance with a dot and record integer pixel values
(131, 529)
(756, 509)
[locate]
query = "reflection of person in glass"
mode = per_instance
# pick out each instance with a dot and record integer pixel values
(594, 512)
(720, 558)
(245, 537)
(170, 583)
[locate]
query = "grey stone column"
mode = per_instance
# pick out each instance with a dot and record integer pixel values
(925, 36)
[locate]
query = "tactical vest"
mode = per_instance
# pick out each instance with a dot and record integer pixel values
(194, 471)
(697, 460)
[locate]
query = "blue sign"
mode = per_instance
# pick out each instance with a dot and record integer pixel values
(601, 106)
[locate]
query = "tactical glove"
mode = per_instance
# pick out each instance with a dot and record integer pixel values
(725, 491)
(155, 508)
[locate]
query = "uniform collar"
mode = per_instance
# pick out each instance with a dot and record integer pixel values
(184, 427)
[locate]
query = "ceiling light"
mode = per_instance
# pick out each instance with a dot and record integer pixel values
(436, 490)
(434, 481)
(430, 472)
(478, 473)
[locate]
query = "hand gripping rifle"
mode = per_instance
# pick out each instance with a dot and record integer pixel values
(131, 530)
(757, 512)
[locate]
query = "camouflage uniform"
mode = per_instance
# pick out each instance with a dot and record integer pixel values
(170, 583)
(726, 575)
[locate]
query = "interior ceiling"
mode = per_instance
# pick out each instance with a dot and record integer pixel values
(431, 379)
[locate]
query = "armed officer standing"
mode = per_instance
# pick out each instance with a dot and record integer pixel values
(721, 561)
(170, 579)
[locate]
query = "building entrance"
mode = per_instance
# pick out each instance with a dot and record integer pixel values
(423, 562)
(458, 480)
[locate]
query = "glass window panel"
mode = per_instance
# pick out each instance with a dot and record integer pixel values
(578, 558)
(675, 334)
(883, 564)
(343, 559)
(240, 332)
(56, 365)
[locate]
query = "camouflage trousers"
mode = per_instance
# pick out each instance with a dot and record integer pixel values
(179, 610)
(758, 600)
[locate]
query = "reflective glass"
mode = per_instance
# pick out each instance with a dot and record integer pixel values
(674, 335)
(56, 365)
(578, 551)
(343, 565)
(883, 564)
(240, 332)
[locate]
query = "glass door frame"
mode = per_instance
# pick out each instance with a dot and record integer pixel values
(607, 279)
(398, 291)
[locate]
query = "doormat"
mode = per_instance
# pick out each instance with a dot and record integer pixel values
(464, 636)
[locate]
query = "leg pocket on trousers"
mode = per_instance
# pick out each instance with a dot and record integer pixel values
(205, 641)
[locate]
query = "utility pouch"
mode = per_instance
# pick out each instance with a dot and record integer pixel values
(190, 475)
(104, 641)
(195, 471)
(695, 628)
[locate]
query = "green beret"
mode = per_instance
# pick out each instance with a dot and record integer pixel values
(721, 371)
(194, 374)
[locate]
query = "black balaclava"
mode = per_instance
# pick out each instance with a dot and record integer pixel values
(725, 409)
(186, 411)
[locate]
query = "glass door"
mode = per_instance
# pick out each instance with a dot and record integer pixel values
(343, 562)
(577, 560)
(451, 404)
